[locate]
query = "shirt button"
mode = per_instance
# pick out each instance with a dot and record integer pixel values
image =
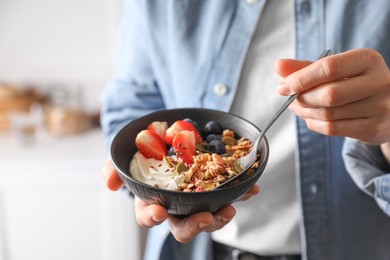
(220, 89)
(251, 2)
(313, 188)
(305, 8)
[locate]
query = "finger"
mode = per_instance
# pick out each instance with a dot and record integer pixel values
(336, 128)
(285, 67)
(338, 93)
(149, 215)
(362, 109)
(110, 176)
(184, 230)
(221, 218)
(327, 69)
(252, 192)
(368, 130)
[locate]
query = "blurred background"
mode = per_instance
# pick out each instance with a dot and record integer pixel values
(55, 58)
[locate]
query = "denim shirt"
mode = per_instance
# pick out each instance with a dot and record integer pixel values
(173, 54)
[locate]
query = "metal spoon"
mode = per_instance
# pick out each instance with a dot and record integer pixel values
(247, 160)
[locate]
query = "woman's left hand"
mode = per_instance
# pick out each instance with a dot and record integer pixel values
(346, 94)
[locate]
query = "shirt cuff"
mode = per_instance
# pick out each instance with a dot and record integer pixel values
(369, 170)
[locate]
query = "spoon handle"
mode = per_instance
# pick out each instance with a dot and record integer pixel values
(278, 113)
(289, 100)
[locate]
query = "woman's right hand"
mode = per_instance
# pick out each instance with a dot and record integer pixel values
(184, 230)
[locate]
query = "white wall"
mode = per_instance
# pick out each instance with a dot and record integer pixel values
(58, 41)
(44, 42)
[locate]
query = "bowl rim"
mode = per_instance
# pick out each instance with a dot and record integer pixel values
(128, 176)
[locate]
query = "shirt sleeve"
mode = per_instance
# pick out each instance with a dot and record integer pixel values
(369, 170)
(133, 90)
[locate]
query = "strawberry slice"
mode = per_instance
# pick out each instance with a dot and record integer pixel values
(150, 145)
(159, 128)
(199, 189)
(178, 126)
(184, 145)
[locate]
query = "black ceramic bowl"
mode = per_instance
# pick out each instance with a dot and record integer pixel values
(177, 202)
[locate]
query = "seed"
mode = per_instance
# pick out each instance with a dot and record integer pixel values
(237, 167)
(229, 140)
(168, 162)
(181, 167)
(202, 148)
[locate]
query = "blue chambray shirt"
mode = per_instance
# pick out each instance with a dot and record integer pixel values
(171, 53)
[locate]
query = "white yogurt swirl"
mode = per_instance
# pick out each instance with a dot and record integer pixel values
(154, 172)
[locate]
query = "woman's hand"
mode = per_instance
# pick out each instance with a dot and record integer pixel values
(110, 176)
(346, 94)
(385, 147)
(184, 230)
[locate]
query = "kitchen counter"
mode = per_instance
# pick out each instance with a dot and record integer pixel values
(54, 204)
(83, 147)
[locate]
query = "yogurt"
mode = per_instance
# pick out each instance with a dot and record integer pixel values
(154, 172)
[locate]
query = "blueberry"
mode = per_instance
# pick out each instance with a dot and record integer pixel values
(212, 127)
(194, 123)
(171, 151)
(212, 137)
(216, 146)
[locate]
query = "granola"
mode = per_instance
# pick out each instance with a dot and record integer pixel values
(198, 162)
(210, 170)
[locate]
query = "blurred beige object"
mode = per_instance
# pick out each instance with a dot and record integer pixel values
(26, 126)
(66, 115)
(66, 121)
(13, 99)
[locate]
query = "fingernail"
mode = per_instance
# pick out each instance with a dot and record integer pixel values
(219, 218)
(104, 173)
(284, 88)
(157, 220)
(203, 225)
